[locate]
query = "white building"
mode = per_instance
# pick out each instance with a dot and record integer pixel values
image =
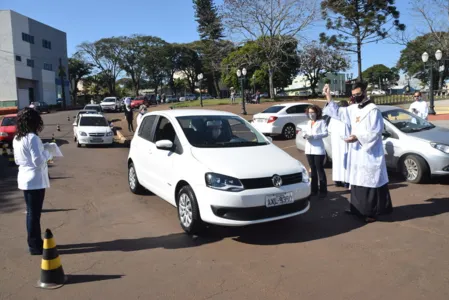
(29, 61)
(301, 85)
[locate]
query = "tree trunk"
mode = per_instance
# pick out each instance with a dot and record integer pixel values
(313, 88)
(216, 86)
(359, 59)
(270, 80)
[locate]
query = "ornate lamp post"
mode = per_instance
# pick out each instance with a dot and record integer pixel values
(242, 77)
(431, 65)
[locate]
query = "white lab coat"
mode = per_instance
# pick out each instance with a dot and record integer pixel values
(421, 107)
(340, 150)
(317, 131)
(367, 162)
(31, 157)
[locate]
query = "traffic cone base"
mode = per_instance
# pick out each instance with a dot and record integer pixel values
(52, 273)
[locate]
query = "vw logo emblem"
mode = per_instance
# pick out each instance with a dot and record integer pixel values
(277, 180)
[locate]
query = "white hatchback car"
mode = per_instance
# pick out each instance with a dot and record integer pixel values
(281, 119)
(216, 168)
(93, 129)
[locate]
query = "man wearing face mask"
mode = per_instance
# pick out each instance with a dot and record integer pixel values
(419, 107)
(370, 195)
(142, 111)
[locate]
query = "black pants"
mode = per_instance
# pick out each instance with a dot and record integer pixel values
(130, 125)
(34, 200)
(316, 163)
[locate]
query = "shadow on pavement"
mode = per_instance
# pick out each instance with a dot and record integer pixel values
(10, 197)
(59, 142)
(431, 207)
(56, 209)
(74, 279)
(171, 241)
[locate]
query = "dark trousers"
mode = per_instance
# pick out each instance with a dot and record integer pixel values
(316, 163)
(34, 200)
(130, 125)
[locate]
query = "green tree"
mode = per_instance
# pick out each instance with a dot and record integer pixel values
(379, 74)
(315, 61)
(411, 62)
(273, 24)
(78, 69)
(252, 57)
(190, 64)
(358, 22)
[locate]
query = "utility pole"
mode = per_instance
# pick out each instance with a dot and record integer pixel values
(61, 78)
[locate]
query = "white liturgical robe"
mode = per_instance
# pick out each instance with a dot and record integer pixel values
(420, 108)
(340, 150)
(367, 166)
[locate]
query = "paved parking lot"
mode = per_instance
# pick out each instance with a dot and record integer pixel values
(116, 245)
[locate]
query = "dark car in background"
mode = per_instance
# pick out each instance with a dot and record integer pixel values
(41, 107)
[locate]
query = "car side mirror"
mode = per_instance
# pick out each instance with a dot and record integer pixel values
(164, 145)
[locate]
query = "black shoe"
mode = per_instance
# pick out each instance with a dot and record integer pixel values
(313, 194)
(349, 212)
(338, 184)
(36, 251)
(346, 185)
(323, 195)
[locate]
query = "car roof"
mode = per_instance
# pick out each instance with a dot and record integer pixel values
(291, 104)
(93, 115)
(192, 112)
(87, 111)
(10, 115)
(92, 105)
(383, 108)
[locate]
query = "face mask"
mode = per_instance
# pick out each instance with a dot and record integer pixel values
(358, 98)
(312, 116)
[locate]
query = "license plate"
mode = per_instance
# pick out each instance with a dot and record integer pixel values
(279, 199)
(96, 140)
(260, 120)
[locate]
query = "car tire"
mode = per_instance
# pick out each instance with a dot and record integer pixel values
(415, 169)
(188, 211)
(78, 144)
(289, 132)
(133, 182)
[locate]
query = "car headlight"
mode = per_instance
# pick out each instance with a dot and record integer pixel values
(442, 147)
(110, 133)
(305, 173)
(223, 182)
(83, 133)
(3, 134)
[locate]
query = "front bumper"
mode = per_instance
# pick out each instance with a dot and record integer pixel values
(88, 140)
(108, 107)
(267, 128)
(248, 207)
(439, 164)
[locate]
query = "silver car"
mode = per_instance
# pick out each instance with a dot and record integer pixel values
(413, 146)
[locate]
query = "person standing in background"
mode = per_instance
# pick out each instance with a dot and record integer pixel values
(232, 96)
(142, 111)
(340, 150)
(129, 118)
(315, 151)
(31, 157)
(419, 107)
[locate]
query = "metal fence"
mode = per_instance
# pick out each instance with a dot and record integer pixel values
(406, 98)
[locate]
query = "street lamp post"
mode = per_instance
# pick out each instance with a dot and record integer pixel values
(242, 76)
(254, 84)
(200, 80)
(425, 58)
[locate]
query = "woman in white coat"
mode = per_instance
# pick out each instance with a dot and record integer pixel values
(314, 150)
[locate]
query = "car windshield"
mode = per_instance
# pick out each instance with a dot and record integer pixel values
(92, 107)
(109, 100)
(93, 121)
(406, 121)
(220, 132)
(273, 109)
(9, 121)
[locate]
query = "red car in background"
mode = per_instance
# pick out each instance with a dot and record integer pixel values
(139, 100)
(8, 129)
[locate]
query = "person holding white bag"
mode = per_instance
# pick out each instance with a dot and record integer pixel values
(315, 151)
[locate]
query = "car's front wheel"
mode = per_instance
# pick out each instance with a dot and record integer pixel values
(415, 169)
(289, 132)
(188, 211)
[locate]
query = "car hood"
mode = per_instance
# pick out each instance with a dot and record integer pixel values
(94, 129)
(247, 162)
(436, 135)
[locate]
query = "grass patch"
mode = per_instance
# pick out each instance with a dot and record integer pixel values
(211, 102)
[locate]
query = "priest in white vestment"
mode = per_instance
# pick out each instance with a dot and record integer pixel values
(370, 196)
(340, 150)
(419, 107)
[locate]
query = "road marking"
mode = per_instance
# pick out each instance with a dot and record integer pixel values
(289, 147)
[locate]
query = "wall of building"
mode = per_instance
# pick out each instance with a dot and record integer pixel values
(46, 80)
(8, 91)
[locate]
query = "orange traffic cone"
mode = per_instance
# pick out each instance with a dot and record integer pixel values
(52, 273)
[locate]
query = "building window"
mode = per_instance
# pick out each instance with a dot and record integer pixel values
(30, 63)
(46, 44)
(48, 67)
(27, 38)
(18, 58)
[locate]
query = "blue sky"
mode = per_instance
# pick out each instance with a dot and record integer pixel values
(172, 20)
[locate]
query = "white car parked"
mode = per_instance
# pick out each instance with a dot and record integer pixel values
(281, 119)
(215, 168)
(93, 129)
(111, 104)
